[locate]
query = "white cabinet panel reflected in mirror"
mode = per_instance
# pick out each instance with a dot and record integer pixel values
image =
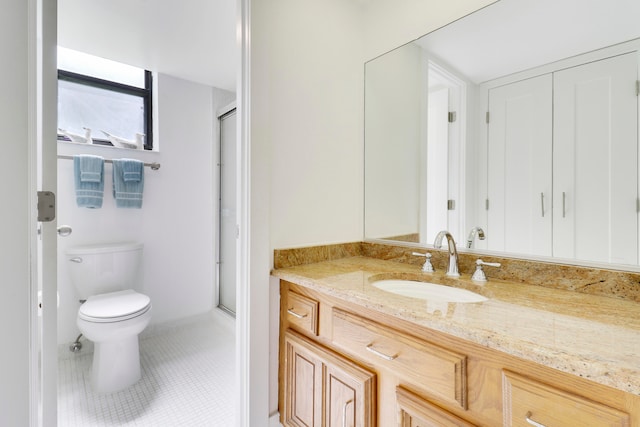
(520, 119)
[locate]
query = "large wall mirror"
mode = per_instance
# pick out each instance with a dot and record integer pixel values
(521, 120)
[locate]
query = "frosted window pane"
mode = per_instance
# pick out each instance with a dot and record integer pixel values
(98, 109)
(89, 65)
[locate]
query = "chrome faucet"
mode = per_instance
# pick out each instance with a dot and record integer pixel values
(472, 234)
(452, 271)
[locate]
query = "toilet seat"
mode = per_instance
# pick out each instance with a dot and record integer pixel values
(114, 307)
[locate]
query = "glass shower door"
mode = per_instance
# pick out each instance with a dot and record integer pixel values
(227, 214)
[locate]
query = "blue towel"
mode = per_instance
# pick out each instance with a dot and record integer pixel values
(128, 183)
(88, 176)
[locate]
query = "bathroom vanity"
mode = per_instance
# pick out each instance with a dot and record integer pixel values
(355, 355)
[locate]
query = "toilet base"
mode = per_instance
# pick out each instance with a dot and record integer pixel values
(116, 365)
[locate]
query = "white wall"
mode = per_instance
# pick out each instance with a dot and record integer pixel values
(176, 222)
(314, 78)
(15, 194)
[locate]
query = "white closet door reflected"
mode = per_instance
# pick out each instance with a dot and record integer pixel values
(227, 214)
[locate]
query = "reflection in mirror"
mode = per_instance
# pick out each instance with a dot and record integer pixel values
(501, 120)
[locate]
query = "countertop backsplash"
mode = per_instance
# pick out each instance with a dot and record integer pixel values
(588, 280)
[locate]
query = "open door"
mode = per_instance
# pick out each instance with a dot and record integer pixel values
(27, 113)
(46, 246)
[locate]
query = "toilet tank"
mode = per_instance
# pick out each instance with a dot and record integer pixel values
(101, 268)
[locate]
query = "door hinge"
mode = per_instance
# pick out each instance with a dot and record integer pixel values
(486, 204)
(46, 206)
(451, 205)
(487, 117)
(637, 87)
(451, 117)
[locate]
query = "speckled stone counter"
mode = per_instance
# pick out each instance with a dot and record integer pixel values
(592, 336)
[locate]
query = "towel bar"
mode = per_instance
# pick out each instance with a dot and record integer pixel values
(154, 166)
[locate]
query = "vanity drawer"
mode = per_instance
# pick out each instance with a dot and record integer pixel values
(417, 412)
(527, 402)
(302, 312)
(438, 371)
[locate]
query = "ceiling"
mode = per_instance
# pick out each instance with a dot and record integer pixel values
(191, 39)
(515, 35)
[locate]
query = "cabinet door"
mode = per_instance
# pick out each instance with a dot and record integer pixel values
(344, 399)
(302, 384)
(595, 158)
(324, 389)
(349, 394)
(519, 167)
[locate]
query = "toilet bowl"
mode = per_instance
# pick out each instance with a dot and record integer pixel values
(112, 314)
(113, 321)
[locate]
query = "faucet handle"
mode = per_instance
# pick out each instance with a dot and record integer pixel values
(479, 275)
(427, 267)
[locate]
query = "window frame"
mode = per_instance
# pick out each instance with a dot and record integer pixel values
(145, 93)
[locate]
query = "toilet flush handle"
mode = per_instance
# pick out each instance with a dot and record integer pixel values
(76, 259)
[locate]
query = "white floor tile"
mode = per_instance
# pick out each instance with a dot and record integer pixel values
(188, 379)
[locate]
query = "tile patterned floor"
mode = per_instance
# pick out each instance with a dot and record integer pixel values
(188, 379)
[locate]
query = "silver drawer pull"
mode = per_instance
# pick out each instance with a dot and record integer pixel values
(530, 421)
(294, 314)
(76, 260)
(379, 354)
(344, 412)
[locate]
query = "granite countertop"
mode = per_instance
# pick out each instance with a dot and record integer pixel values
(594, 337)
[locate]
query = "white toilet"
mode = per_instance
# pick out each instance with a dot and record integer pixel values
(113, 314)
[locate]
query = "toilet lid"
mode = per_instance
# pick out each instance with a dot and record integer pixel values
(114, 306)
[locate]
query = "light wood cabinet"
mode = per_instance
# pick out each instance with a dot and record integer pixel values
(440, 371)
(302, 313)
(323, 389)
(528, 402)
(363, 368)
(417, 412)
(303, 384)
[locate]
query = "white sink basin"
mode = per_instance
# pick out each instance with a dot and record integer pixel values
(428, 291)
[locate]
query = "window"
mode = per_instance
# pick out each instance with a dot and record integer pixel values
(103, 96)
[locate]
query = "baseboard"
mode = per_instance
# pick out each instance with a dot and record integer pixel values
(163, 327)
(225, 318)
